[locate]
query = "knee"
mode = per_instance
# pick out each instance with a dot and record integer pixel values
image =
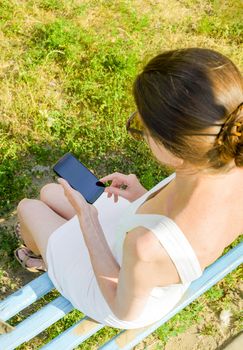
(25, 204)
(48, 191)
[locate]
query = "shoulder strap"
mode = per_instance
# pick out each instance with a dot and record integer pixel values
(174, 242)
(178, 248)
(134, 205)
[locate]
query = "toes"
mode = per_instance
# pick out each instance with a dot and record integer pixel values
(23, 254)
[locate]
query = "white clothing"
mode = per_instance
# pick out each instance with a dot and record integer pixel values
(71, 272)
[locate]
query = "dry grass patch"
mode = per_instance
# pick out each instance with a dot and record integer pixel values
(66, 73)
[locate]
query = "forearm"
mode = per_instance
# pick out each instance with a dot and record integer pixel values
(105, 267)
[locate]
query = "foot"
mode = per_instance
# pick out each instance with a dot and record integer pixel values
(28, 259)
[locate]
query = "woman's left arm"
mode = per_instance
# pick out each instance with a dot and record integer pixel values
(104, 264)
(119, 296)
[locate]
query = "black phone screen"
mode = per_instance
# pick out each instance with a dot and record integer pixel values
(79, 177)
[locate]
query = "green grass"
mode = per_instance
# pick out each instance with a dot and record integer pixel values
(66, 74)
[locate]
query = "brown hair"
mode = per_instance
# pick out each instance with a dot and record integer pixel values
(191, 101)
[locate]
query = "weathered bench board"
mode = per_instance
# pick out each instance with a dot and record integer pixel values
(86, 327)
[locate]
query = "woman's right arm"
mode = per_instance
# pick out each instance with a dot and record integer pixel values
(126, 186)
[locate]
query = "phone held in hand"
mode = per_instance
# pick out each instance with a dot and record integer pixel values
(79, 177)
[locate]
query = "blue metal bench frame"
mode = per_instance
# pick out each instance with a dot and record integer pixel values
(86, 327)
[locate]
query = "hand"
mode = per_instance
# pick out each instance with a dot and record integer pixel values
(126, 186)
(87, 213)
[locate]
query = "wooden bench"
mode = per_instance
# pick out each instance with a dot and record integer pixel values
(86, 327)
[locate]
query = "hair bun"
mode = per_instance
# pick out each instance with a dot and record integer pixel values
(239, 146)
(230, 138)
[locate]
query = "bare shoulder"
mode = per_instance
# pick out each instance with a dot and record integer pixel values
(141, 245)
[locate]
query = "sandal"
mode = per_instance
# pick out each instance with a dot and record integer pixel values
(29, 255)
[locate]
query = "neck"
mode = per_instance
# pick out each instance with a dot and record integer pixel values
(188, 179)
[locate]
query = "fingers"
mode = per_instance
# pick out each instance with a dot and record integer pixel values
(67, 188)
(74, 197)
(114, 176)
(62, 181)
(65, 185)
(107, 178)
(116, 192)
(113, 190)
(109, 195)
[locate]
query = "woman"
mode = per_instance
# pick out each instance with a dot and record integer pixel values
(126, 264)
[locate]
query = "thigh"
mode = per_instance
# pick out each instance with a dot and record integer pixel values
(53, 195)
(40, 222)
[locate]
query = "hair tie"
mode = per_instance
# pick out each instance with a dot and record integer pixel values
(237, 133)
(236, 124)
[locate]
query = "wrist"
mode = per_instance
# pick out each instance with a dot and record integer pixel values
(140, 193)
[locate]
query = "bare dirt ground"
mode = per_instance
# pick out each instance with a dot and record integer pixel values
(213, 333)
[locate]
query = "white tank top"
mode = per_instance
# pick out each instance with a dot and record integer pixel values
(161, 299)
(72, 273)
(166, 230)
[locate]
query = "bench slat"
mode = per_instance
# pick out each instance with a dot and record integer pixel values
(36, 323)
(84, 328)
(25, 296)
(214, 273)
(74, 335)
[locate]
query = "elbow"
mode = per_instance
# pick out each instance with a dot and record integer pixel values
(126, 316)
(123, 313)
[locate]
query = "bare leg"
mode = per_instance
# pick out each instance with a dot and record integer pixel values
(53, 195)
(37, 223)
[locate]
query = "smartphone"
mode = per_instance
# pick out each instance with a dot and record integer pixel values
(79, 177)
